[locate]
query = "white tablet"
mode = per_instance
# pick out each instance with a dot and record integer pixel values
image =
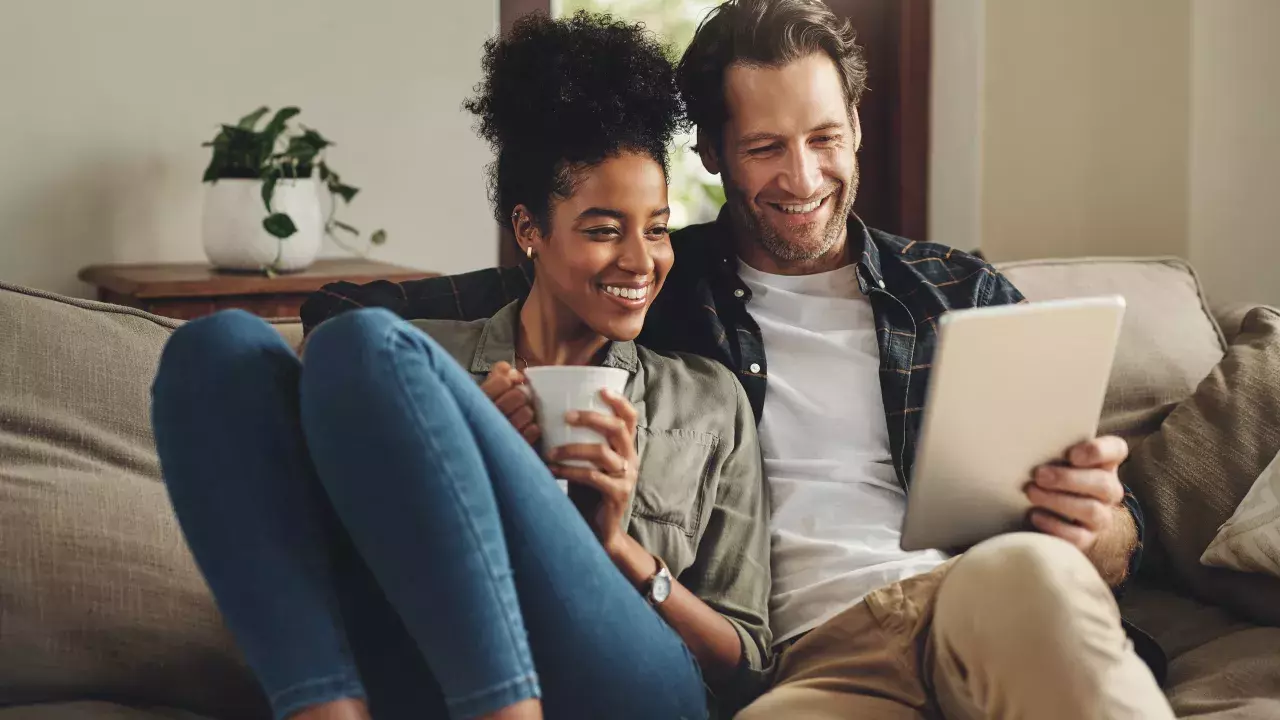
(1012, 387)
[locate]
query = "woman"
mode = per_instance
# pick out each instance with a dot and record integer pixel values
(379, 536)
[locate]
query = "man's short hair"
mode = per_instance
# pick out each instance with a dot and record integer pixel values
(768, 33)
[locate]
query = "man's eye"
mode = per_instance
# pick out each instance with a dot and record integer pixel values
(763, 150)
(825, 139)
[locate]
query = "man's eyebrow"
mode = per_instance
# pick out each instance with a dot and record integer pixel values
(762, 136)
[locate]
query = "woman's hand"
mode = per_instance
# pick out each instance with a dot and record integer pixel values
(613, 473)
(506, 387)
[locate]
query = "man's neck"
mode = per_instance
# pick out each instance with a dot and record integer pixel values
(551, 334)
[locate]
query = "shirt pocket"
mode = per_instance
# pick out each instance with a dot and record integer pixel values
(675, 470)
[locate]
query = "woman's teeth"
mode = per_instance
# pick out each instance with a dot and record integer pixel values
(627, 293)
(800, 209)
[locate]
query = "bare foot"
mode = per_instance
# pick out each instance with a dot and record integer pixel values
(345, 709)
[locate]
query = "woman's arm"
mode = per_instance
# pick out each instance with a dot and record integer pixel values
(720, 609)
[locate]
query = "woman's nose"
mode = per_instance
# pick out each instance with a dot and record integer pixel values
(636, 257)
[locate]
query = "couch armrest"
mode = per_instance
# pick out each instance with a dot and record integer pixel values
(1230, 316)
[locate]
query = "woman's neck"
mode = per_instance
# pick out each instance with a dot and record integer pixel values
(551, 334)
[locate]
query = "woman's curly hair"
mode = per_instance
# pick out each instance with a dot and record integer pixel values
(562, 95)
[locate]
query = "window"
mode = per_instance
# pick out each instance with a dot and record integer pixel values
(695, 195)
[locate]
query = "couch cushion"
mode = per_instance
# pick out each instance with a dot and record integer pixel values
(1169, 341)
(93, 710)
(1193, 473)
(1250, 540)
(99, 596)
(1220, 668)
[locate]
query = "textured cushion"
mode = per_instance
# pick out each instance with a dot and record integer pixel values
(1220, 668)
(1250, 540)
(93, 710)
(99, 596)
(1193, 473)
(1169, 341)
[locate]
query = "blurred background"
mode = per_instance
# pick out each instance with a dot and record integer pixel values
(1024, 128)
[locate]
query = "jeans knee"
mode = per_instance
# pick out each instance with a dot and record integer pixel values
(227, 345)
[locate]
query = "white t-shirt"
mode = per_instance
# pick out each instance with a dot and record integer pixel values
(837, 504)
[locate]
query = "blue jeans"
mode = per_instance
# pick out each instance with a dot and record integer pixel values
(372, 527)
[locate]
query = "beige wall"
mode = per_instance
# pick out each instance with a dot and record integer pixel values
(1235, 149)
(105, 105)
(1085, 127)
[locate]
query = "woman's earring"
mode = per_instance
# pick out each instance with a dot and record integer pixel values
(529, 252)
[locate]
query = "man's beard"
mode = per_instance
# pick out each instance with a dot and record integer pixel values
(750, 219)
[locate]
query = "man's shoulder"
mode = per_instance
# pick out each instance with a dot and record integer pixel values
(922, 255)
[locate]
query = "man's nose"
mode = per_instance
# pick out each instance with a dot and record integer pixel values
(802, 177)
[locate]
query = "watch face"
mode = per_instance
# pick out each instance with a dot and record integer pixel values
(661, 586)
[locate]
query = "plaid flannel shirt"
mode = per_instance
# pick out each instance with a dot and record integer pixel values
(703, 309)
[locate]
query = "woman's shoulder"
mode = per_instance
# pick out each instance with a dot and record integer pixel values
(459, 337)
(682, 388)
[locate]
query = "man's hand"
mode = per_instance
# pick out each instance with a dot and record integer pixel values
(506, 387)
(1080, 502)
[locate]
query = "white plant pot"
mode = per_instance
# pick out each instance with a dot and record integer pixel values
(234, 238)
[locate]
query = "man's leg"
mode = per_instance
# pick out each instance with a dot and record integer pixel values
(863, 663)
(1024, 627)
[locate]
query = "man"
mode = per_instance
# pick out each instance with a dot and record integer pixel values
(795, 294)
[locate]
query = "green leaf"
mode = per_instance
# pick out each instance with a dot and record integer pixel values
(347, 192)
(280, 225)
(282, 116)
(248, 121)
(324, 172)
(378, 237)
(268, 189)
(316, 140)
(348, 228)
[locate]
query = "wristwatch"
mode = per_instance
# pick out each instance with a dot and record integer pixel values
(658, 587)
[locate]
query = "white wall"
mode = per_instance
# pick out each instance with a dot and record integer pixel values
(1235, 149)
(957, 93)
(103, 106)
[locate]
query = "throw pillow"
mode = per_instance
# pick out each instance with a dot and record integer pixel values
(1194, 471)
(1250, 541)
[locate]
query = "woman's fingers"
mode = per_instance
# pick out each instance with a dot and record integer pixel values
(513, 400)
(612, 428)
(601, 456)
(621, 407)
(606, 485)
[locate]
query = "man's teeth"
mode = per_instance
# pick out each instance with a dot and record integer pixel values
(799, 209)
(627, 293)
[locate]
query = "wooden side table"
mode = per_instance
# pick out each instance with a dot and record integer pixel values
(190, 290)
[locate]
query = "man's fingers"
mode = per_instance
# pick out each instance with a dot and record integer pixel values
(1085, 511)
(1101, 485)
(1106, 453)
(1046, 523)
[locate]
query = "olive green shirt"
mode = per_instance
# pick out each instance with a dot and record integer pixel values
(700, 502)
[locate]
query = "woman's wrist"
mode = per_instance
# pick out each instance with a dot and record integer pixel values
(636, 564)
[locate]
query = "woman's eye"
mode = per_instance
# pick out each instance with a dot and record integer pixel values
(602, 233)
(659, 232)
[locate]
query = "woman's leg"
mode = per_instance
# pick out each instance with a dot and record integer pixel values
(225, 411)
(490, 566)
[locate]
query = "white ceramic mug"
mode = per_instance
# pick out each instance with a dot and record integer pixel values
(558, 389)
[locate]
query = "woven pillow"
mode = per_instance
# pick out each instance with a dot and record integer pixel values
(99, 596)
(1250, 540)
(1192, 474)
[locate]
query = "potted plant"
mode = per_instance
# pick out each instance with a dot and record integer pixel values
(262, 207)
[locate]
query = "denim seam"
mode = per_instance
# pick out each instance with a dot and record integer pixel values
(396, 333)
(345, 684)
(528, 679)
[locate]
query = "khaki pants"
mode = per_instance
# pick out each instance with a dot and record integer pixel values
(1020, 626)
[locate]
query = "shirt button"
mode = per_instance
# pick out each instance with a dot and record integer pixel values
(755, 367)
(739, 293)
(881, 284)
